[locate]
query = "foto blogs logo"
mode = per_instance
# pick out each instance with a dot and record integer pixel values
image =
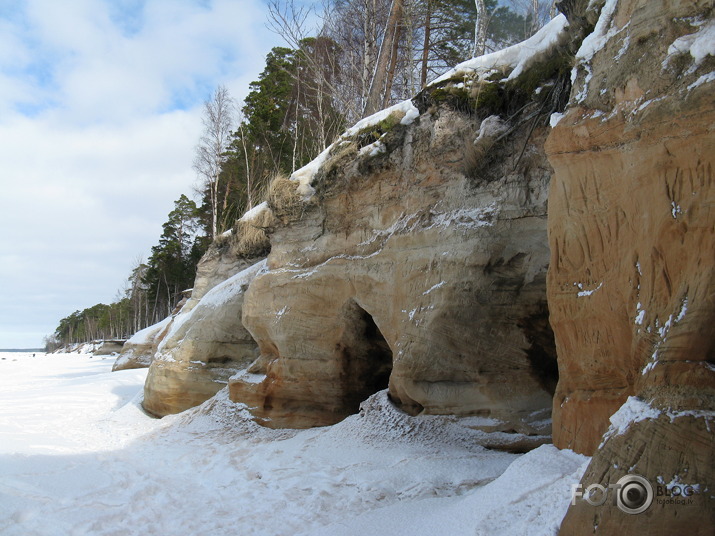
(633, 494)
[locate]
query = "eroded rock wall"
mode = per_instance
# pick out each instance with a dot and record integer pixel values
(418, 264)
(202, 349)
(631, 279)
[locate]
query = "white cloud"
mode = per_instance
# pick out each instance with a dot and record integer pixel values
(99, 114)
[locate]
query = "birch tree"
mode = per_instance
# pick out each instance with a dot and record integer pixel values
(249, 179)
(535, 18)
(535, 12)
(213, 144)
(480, 29)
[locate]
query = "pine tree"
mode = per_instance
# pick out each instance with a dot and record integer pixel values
(172, 266)
(266, 110)
(289, 117)
(453, 31)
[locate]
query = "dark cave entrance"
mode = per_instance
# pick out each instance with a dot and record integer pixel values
(365, 358)
(542, 350)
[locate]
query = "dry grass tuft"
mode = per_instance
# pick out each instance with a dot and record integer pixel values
(252, 241)
(283, 197)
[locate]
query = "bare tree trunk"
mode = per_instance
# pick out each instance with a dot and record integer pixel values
(169, 306)
(249, 186)
(211, 150)
(480, 29)
(320, 97)
(380, 73)
(426, 44)
(225, 197)
(295, 120)
(393, 66)
(369, 49)
(214, 204)
(410, 85)
(535, 22)
(156, 305)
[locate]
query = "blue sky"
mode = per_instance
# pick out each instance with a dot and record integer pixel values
(100, 109)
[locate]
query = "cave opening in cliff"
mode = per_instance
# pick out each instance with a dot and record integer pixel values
(365, 357)
(542, 347)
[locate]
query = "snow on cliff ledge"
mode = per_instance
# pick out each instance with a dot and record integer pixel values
(222, 293)
(516, 58)
(147, 335)
(305, 175)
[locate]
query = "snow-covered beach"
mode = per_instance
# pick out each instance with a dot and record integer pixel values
(78, 456)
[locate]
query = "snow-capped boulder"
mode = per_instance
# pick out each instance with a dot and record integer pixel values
(139, 349)
(109, 347)
(202, 350)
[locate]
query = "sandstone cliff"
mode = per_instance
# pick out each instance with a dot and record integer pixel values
(109, 347)
(412, 255)
(202, 349)
(631, 280)
(205, 342)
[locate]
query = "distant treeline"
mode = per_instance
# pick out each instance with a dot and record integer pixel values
(100, 321)
(152, 291)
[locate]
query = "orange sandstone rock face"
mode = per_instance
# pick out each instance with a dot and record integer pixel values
(631, 283)
(631, 233)
(631, 277)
